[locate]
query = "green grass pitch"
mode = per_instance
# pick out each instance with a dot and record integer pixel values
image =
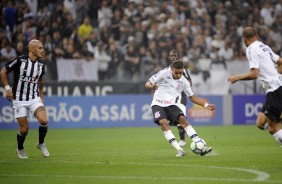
(242, 154)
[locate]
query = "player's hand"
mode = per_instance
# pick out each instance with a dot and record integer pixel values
(9, 95)
(155, 87)
(211, 107)
(232, 79)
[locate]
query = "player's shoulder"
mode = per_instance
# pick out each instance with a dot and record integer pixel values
(165, 71)
(22, 58)
(184, 80)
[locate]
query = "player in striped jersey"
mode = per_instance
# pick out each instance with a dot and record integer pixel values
(182, 100)
(27, 94)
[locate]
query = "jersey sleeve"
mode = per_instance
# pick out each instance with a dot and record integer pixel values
(252, 57)
(187, 88)
(274, 57)
(157, 77)
(10, 66)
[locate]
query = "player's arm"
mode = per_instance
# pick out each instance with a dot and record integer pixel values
(40, 88)
(153, 80)
(5, 82)
(150, 86)
(251, 75)
(201, 102)
(279, 65)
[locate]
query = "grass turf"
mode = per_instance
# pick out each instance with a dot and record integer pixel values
(242, 154)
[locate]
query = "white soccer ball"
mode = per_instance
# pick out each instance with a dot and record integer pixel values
(198, 146)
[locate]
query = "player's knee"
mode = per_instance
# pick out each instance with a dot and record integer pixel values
(24, 131)
(163, 122)
(44, 123)
(182, 121)
(259, 125)
(273, 128)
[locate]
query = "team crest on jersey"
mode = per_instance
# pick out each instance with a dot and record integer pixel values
(157, 114)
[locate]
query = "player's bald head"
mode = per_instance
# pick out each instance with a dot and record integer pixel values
(33, 43)
(249, 32)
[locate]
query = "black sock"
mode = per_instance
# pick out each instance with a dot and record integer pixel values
(42, 131)
(181, 132)
(20, 140)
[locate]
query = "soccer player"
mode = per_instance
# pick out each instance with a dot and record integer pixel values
(181, 100)
(168, 85)
(27, 94)
(263, 62)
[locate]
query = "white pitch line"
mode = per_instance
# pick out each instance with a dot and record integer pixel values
(260, 175)
(135, 177)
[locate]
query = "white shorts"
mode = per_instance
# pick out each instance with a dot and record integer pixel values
(21, 107)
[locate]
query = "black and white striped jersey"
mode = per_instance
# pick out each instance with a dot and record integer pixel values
(26, 77)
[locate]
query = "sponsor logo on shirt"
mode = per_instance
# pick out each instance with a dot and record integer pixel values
(28, 79)
(164, 101)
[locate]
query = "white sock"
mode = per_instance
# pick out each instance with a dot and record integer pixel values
(171, 139)
(190, 131)
(265, 126)
(278, 137)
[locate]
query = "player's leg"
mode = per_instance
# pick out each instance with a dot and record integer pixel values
(181, 130)
(182, 133)
(20, 113)
(160, 119)
(170, 137)
(39, 112)
(21, 135)
(190, 131)
(261, 121)
(273, 113)
(275, 130)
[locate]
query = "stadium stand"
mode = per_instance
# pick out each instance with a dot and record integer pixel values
(196, 28)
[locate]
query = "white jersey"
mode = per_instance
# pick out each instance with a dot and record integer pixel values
(261, 56)
(169, 89)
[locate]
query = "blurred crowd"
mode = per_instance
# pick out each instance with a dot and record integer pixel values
(130, 39)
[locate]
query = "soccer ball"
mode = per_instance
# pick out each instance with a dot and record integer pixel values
(198, 146)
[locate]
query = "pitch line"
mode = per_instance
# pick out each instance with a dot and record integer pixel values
(260, 176)
(136, 177)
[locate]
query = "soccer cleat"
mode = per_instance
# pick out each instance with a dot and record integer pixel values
(181, 153)
(21, 153)
(182, 143)
(43, 149)
(206, 151)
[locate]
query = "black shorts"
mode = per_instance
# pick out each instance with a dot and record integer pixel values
(263, 108)
(273, 104)
(171, 113)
